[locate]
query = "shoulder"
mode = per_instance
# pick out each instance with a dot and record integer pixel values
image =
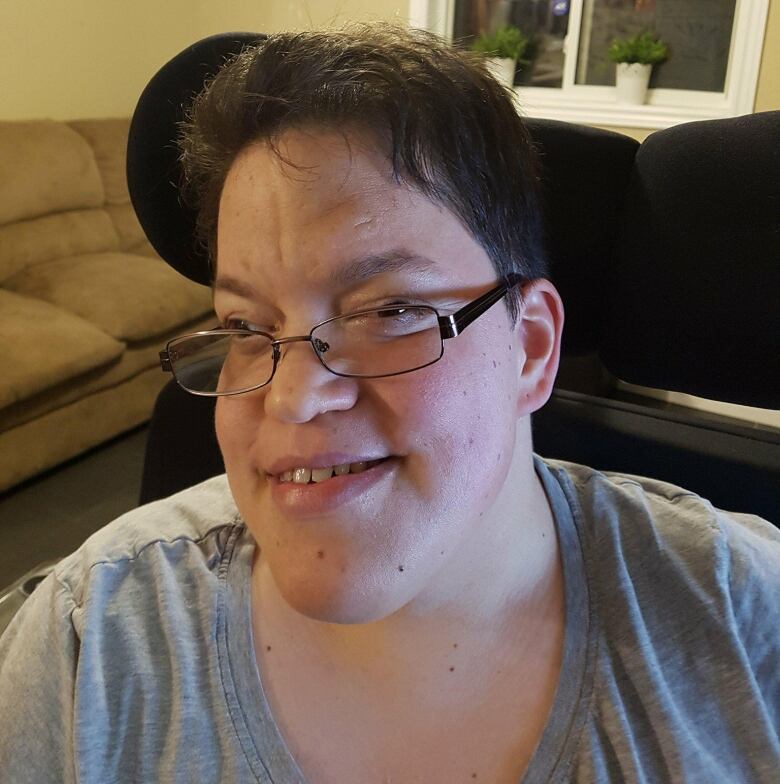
(636, 510)
(670, 550)
(659, 557)
(200, 518)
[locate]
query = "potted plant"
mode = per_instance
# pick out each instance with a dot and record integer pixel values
(635, 58)
(504, 50)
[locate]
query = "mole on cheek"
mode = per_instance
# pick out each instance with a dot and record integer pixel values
(400, 568)
(320, 553)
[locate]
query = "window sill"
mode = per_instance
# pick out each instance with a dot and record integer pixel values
(609, 112)
(758, 417)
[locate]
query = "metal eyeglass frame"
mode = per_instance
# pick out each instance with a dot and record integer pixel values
(450, 326)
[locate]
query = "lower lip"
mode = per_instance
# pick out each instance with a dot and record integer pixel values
(317, 498)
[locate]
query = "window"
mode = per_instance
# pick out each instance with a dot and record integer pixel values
(712, 69)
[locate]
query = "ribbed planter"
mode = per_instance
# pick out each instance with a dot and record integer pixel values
(631, 80)
(503, 68)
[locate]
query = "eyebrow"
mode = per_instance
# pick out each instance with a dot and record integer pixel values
(365, 267)
(234, 286)
(354, 272)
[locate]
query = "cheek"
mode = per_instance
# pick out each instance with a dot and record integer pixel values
(460, 417)
(234, 436)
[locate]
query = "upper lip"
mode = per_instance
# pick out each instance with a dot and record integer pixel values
(321, 460)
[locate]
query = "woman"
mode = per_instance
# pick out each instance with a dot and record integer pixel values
(387, 585)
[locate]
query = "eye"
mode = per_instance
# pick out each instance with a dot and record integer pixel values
(390, 321)
(232, 323)
(393, 310)
(393, 306)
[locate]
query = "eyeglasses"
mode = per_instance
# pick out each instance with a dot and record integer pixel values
(386, 341)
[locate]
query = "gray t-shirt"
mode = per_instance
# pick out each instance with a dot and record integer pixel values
(134, 660)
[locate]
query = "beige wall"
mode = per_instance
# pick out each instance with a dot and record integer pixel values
(768, 93)
(85, 58)
(276, 15)
(91, 58)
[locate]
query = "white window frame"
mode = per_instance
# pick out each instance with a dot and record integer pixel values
(664, 107)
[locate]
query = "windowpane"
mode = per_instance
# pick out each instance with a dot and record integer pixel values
(545, 22)
(698, 33)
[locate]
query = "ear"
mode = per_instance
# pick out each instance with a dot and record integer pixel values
(538, 331)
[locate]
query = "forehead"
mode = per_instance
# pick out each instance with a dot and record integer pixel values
(316, 169)
(323, 200)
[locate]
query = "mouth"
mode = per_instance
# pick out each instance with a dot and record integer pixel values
(307, 492)
(306, 475)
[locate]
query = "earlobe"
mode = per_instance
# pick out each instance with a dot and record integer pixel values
(539, 330)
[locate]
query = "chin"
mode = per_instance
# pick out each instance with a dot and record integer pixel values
(339, 599)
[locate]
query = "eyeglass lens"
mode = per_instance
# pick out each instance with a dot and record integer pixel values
(369, 344)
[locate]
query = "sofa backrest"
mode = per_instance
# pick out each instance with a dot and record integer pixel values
(63, 192)
(108, 140)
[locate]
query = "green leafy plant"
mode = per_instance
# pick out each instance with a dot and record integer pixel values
(642, 48)
(507, 41)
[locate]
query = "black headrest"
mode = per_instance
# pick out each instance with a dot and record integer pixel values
(153, 171)
(585, 172)
(694, 287)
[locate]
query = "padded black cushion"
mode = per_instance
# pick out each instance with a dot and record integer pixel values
(182, 448)
(585, 172)
(153, 170)
(694, 303)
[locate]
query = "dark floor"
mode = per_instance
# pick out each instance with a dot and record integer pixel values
(50, 516)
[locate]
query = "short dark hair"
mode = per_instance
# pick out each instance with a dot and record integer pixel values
(452, 130)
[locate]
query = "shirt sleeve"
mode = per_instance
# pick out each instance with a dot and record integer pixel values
(38, 659)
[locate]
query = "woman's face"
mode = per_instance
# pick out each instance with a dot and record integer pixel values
(332, 236)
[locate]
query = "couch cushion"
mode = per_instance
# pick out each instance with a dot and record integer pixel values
(136, 359)
(130, 297)
(45, 167)
(43, 346)
(108, 139)
(127, 226)
(28, 242)
(144, 248)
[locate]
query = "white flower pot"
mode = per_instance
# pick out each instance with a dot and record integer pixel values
(631, 80)
(503, 68)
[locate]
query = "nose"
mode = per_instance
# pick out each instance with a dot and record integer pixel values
(302, 388)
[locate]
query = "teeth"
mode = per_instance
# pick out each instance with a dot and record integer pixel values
(302, 476)
(321, 474)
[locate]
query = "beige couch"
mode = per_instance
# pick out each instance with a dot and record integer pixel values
(85, 304)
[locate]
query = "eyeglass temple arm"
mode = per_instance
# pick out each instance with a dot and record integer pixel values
(455, 323)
